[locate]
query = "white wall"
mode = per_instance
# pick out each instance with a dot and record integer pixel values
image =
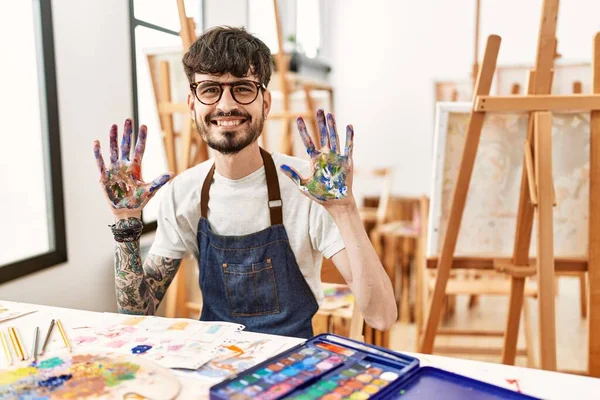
(386, 53)
(91, 40)
(225, 12)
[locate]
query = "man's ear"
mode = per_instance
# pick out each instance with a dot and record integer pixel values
(266, 102)
(191, 100)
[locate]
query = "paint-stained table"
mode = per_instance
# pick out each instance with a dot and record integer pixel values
(543, 384)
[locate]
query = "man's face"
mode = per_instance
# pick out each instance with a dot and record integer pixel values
(228, 126)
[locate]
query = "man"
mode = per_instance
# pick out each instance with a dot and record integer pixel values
(259, 240)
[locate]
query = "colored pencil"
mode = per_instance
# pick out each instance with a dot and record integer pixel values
(15, 343)
(63, 334)
(20, 343)
(6, 349)
(35, 342)
(47, 337)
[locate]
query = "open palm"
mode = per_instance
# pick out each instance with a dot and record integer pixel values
(122, 180)
(331, 175)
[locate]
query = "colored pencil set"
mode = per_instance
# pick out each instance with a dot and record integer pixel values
(19, 348)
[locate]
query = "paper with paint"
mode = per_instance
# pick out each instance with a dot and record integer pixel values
(172, 343)
(14, 311)
(85, 376)
(241, 351)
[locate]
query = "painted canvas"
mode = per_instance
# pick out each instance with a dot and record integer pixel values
(88, 376)
(489, 219)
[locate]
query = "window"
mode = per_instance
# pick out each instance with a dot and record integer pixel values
(300, 22)
(31, 201)
(155, 32)
(308, 28)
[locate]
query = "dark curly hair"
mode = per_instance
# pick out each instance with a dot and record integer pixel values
(225, 49)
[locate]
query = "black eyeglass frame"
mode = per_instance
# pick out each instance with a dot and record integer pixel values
(259, 86)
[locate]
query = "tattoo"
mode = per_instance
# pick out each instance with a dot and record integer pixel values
(141, 287)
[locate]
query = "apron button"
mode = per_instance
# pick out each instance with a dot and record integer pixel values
(224, 265)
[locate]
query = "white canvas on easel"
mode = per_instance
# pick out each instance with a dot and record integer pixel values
(489, 219)
(566, 73)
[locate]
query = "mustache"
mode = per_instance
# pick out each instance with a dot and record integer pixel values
(231, 113)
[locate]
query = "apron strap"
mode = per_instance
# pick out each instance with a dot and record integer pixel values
(274, 203)
(205, 192)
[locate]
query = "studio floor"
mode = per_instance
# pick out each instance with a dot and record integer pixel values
(490, 313)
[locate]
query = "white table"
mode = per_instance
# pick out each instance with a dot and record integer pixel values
(538, 383)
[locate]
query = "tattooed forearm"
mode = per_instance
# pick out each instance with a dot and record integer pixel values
(141, 287)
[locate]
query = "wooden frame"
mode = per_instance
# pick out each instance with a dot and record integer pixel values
(539, 134)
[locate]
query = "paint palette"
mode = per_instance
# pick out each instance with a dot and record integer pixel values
(331, 367)
(88, 376)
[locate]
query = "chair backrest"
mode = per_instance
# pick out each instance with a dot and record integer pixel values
(384, 176)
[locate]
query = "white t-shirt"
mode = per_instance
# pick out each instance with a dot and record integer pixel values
(239, 207)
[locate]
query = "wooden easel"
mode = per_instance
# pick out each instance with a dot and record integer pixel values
(536, 198)
(290, 82)
(179, 158)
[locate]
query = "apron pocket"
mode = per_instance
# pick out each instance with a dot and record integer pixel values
(251, 289)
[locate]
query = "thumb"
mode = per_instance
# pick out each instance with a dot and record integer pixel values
(292, 174)
(156, 184)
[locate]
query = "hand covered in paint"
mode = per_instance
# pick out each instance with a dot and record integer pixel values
(122, 182)
(330, 181)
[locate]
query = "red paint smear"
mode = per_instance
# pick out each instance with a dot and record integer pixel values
(514, 382)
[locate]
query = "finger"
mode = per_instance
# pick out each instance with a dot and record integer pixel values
(322, 128)
(100, 160)
(333, 137)
(114, 148)
(140, 146)
(292, 174)
(349, 141)
(126, 140)
(308, 143)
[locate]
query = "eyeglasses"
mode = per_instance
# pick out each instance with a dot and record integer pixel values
(210, 92)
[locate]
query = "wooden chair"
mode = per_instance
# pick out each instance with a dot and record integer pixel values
(375, 214)
(343, 319)
(395, 243)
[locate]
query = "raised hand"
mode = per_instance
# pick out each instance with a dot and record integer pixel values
(330, 181)
(122, 182)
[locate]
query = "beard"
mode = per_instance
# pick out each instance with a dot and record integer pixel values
(230, 142)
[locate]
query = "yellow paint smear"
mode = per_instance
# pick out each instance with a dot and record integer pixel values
(15, 375)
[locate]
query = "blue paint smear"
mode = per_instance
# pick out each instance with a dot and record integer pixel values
(55, 381)
(141, 349)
